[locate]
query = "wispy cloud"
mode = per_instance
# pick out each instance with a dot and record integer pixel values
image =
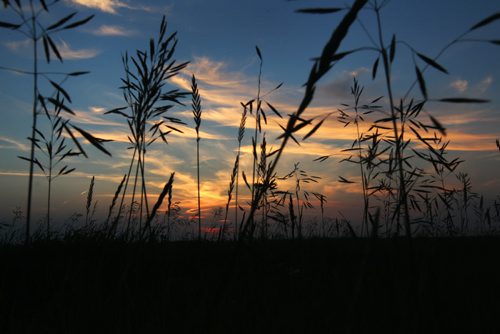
(461, 141)
(98, 110)
(10, 143)
(483, 86)
(63, 47)
(68, 53)
(107, 6)
(113, 30)
(479, 88)
(112, 6)
(16, 46)
(339, 89)
(460, 85)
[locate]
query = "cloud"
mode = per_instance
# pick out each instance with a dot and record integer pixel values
(462, 141)
(107, 6)
(216, 73)
(98, 110)
(112, 30)
(10, 143)
(483, 86)
(460, 85)
(96, 117)
(479, 88)
(112, 6)
(338, 89)
(18, 45)
(68, 53)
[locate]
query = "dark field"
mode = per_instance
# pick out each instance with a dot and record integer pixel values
(343, 285)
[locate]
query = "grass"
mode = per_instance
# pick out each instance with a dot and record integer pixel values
(293, 286)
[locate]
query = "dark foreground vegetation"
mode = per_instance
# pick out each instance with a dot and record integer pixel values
(309, 286)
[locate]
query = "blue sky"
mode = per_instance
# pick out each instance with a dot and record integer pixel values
(219, 37)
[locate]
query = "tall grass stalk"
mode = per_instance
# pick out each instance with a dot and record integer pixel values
(398, 137)
(53, 147)
(31, 26)
(320, 68)
(146, 74)
(196, 106)
(241, 135)
(255, 138)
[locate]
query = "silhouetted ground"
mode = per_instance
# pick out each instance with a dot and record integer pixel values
(313, 286)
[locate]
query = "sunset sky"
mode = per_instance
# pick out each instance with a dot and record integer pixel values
(218, 37)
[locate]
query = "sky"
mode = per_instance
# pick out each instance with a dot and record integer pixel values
(218, 38)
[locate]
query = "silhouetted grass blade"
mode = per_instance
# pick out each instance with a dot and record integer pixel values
(274, 109)
(314, 129)
(432, 63)
(118, 111)
(54, 49)
(322, 158)
(438, 125)
(35, 161)
(78, 23)
(421, 82)
(61, 90)
(65, 171)
(60, 104)
(9, 25)
(151, 48)
(46, 48)
(76, 74)
(486, 21)
(246, 181)
(375, 68)
(259, 54)
(463, 100)
(331, 48)
(61, 21)
(344, 180)
(162, 195)
(319, 10)
(96, 142)
(392, 51)
(44, 5)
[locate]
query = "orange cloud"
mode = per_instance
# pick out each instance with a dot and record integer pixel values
(107, 6)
